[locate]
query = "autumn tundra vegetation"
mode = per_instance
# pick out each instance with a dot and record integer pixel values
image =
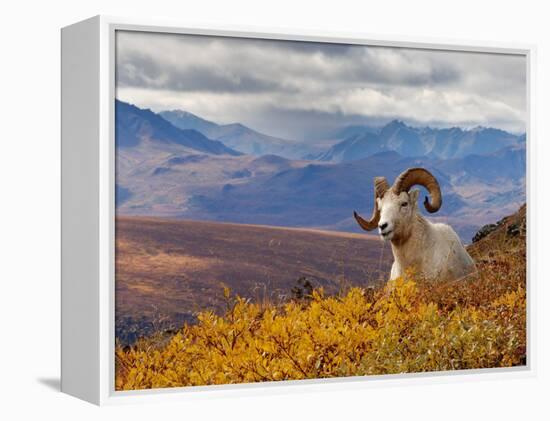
(410, 324)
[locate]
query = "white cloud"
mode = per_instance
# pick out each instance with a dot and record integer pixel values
(280, 86)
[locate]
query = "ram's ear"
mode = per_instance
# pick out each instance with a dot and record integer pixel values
(413, 195)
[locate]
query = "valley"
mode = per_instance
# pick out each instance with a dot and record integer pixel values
(167, 270)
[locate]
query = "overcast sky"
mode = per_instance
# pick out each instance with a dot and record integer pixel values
(300, 90)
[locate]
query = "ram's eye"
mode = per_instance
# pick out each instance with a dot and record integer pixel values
(404, 204)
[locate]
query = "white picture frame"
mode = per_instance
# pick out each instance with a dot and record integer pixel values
(88, 154)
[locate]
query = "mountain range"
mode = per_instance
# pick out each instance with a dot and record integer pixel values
(239, 136)
(409, 141)
(136, 127)
(187, 171)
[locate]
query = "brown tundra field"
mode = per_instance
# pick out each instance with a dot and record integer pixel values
(168, 270)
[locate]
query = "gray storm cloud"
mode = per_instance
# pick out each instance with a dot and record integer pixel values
(300, 90)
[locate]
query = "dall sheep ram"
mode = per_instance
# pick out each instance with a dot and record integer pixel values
(432, 249)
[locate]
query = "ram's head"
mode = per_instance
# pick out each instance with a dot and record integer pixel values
(395, 206)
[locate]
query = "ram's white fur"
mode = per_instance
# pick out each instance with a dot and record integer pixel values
(433, 250)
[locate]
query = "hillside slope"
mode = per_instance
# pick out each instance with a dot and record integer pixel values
(407, 326)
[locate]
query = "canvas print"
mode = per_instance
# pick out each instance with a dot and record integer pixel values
(301, 210)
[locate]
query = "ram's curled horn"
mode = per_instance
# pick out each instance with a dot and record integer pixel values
(381, 186)
(421, 177)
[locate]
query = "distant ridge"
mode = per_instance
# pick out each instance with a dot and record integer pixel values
(239, 137)
(410, 141)
(187, 120)
(135, 126)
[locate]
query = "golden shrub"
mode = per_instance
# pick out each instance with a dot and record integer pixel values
(405, 327)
